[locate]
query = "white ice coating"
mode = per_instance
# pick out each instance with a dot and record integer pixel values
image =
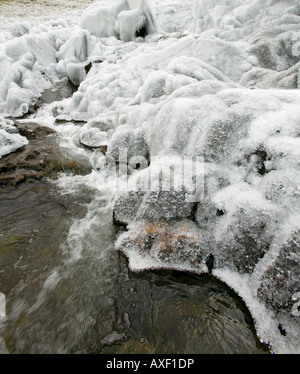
(215, 79)
(119, 18)
(10, 140)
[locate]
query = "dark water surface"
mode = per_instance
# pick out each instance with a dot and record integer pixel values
(68, 290)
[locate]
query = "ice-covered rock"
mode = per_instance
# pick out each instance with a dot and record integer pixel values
(135, 205)
(280, 280)
(131, 24)
(93, 138)
(168, 189)
(265, 78)
(100, 18)
(248, 140)
(27, 69)
(162, 245)
(127, 145)
(104, 122)
(201, 13)
(20, 28)
(126, 19)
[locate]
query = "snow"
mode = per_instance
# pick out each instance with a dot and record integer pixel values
(217, 80)
(10, 139)
(123, 18)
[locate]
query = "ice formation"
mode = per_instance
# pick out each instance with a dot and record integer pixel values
(216, 81)
(126, 19)
(10, 139)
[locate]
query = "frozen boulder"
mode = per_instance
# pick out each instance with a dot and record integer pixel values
(162, 245)
(128, 146)
(100, 17)
(248, 238)
(265, 78)
(131, 24)
(93, 138)
(19, 28)
(76, 48)
(135, 205)
(167, 190)
(104, 122)
(246, 227)
(276, 53)
(280, 281)
(124, 19)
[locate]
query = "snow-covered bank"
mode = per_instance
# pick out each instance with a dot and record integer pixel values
(220, 82)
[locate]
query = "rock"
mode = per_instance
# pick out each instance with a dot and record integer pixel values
(104, 122)
(170, 244)
(32, 130)
(280, 281)
(126, 206)
(10, 142)
(151, 205)
(265, 78)
(113, 338)
(60, 90)
(248, 237)
(94, 138)
(275, 53)
(168, 189)
(42, 157)
(129, 144)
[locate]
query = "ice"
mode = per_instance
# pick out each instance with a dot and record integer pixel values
(161, 83)
(201, 13)
(119, 18)
(39, 45)
(163, 245)
(19, 29)
(76, 48)
(130, 23)
(127, 143)
(93, 138)
(10, 139)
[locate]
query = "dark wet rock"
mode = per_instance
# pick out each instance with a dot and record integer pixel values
(210, 263)
(42, 157)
